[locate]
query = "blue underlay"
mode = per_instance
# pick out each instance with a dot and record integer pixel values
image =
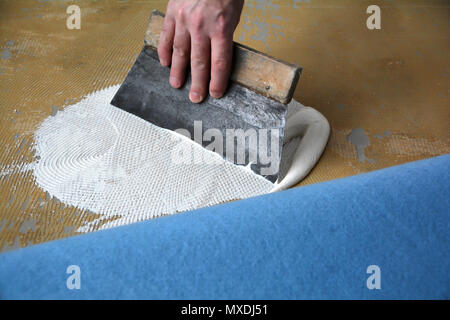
(312, 242)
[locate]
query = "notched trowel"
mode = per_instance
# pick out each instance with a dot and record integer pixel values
(250, 116)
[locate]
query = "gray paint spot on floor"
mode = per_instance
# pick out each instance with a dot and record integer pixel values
(386, 134)
(241, 36)
(54, 111)
(361, 140)
(41, 202)
(24, 141)
(68, 230)
(67, 101)
(14, 246)
(341, 107)
(11, 225)
(25, 203)
(2, 224)
(6, 54)
(259, 24)
(262, 33)
(28, 225)
(58, 202)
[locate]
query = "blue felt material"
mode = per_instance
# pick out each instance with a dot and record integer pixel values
(309, 242)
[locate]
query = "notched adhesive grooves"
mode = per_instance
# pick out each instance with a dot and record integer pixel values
(97, 157)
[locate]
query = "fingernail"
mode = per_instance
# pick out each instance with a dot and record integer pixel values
(195, 97)
(174, 82)
(216, 94)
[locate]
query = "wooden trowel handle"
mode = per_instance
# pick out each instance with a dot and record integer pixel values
(252, 69)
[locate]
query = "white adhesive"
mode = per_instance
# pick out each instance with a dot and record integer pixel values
(305, 137)
(99, 158)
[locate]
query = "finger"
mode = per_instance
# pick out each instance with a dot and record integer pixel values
(221, 56)
(180, 56)
(166, 42)
(200, 64)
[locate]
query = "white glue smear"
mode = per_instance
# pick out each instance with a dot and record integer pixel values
(97, 157)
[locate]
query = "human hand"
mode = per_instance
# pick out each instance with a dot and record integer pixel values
(199, 32)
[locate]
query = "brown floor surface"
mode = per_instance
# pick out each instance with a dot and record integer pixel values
(390, 85)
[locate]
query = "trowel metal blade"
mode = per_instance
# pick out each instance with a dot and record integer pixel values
(146, 92)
